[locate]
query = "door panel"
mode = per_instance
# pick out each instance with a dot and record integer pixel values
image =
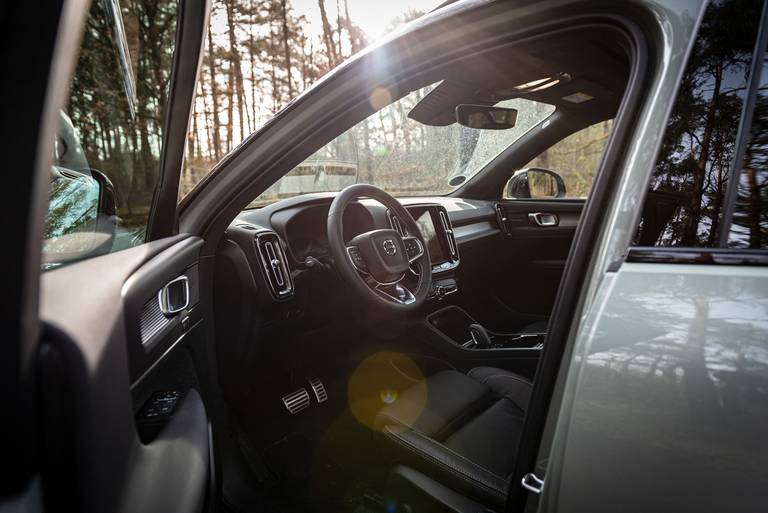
(104, 450)
(533, 256)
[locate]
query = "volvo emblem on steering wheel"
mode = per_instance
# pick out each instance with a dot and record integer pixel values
(390, 248)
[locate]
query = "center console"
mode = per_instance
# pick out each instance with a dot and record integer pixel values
(460, 328)
(437, 231)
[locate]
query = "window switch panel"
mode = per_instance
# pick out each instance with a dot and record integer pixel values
(160, 405)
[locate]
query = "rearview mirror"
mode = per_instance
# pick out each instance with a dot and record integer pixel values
(535, 183)
(485, 117)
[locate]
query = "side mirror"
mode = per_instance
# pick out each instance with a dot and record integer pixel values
(485, 117)
(535, 183)
(81, 220)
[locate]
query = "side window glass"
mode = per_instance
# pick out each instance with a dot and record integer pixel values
(687, 194)
(749, 224)
(566, 169)
(107, 150)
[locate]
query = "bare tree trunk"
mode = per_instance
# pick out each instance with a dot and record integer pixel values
(353, 43)
(339, 51)
(216, 122)
(235, 66)
(755, 205)
(252, 57)
(287, 49)
(192, 135)
(690, 234)
(273, 70)
(328, 35)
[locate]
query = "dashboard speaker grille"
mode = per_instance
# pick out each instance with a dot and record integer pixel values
(274, 264)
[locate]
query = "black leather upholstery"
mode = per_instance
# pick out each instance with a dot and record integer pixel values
(535, 327)
(467, 432)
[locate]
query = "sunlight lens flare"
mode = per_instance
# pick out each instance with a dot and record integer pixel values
(380, 98)
(385, 379)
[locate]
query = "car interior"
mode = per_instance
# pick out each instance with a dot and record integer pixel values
(340, 348)
(340, 358)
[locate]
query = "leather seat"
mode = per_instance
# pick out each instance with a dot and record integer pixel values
(467, 431)
(535, 327)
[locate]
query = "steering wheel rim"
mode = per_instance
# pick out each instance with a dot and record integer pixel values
(366, 282)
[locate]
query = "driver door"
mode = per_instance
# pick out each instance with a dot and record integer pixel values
(106, 367)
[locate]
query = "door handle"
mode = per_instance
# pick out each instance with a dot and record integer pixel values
(543, 219)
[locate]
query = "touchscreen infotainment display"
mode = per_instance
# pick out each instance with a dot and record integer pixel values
(427, 227)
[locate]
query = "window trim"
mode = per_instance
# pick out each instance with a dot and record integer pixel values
(698, 256)
(191, 25)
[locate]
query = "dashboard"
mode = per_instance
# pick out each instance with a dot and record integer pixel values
(291, 235)
(305, 233)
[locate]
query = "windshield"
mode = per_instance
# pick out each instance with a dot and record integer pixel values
(402, 156)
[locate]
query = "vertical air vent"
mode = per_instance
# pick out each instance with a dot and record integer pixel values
(501, 218)
(274, 264)
(394, 222)
(449, 234)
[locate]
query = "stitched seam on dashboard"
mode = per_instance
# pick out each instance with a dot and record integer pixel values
(458, 472)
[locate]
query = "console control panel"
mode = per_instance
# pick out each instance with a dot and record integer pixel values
(441, 288)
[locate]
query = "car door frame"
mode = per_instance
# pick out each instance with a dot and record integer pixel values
(608, 223)
(306, 124)
(30, 43)
(44, 44)
(702, 276)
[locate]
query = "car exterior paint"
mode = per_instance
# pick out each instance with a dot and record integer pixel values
(662, 399)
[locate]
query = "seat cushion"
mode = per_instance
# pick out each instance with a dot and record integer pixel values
(434, 412)
(467, 432)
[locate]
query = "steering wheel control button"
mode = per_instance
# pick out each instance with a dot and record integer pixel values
(357, 259)
(413, 248)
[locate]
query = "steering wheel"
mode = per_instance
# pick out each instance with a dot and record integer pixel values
(375, 263)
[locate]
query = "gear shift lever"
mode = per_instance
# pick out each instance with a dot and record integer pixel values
(480, 336)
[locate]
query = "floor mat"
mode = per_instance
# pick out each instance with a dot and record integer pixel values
(327, 467)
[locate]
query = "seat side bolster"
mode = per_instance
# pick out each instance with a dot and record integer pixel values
(464, 475)
(504, 384)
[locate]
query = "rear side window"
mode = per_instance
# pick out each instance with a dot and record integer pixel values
(749, 225)
(107, 150)
(688, 201)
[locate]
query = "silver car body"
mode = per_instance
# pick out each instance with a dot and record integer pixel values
(662, 400)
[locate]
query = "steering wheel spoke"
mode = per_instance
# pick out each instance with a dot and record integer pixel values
(356, 257)
(414, 248)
